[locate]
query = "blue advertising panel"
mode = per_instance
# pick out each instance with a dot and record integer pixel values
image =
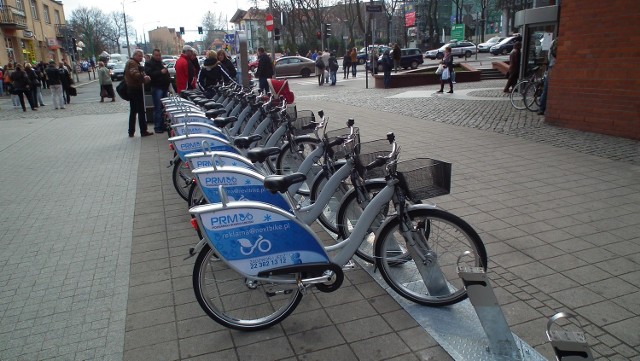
(222, 159)
(199, 129)
(184, 145)
(255, 240)
(238, 186)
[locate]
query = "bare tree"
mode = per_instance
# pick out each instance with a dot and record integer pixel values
(212, 24)
(91, 26)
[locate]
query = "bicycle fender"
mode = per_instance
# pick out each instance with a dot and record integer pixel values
(410, 208)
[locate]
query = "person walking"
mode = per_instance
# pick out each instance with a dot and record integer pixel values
(55, 85)
(320, 70)
(34, 84)
(333, 68)
(21, 87)
(65, 80)
(325, 60)
(387, 65)
(514, 67)
(135, 78)
(447, 74)
(551, 61)
(397, 55)
(346, 65)
(42, 67)
(106, 84)
(160, 81)
(354, 61)
(265, 70)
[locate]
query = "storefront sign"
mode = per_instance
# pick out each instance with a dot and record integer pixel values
(27, 33)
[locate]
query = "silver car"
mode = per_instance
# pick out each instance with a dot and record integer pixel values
(458, 48)
(486, 46)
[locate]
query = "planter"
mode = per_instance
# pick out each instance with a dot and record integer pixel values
(427, 76)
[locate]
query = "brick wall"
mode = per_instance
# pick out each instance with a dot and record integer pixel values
(595, 84)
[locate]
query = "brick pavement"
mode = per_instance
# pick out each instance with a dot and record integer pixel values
(561, 226)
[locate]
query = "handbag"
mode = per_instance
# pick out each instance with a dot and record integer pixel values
(440, 69)
(103, 93)
(123, 91)
(72, 91)
(445, 74)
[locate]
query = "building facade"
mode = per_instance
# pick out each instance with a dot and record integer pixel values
(32, 30)
(168, 40)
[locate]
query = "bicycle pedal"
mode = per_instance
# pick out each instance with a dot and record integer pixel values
(351, 265)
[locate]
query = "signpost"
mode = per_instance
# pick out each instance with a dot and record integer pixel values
(457, 32)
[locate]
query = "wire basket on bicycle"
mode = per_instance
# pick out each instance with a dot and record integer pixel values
(304, 123)
(340, 136)
(423, 178)
(366, 154)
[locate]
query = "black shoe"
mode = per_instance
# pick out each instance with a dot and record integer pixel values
(450, 92)
(130, 135)
(540, 113)
(440, 91)
(146, 134)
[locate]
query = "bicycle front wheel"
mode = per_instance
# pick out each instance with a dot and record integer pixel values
(329, 210)
(182, 178)
(291, 157)
(196, 197)
(236, 302)
(425, 272)
(532, 94)
(517, 95)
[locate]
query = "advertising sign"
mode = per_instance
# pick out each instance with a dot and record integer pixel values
(457, 32)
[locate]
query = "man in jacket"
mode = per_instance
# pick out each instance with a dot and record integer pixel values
(135, 78)
(185, 72)
(55, 84)
(265, 70)
(160, 80)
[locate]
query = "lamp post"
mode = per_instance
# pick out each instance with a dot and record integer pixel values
(144, 34)
(126, 31)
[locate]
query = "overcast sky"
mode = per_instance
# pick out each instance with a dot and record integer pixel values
(149, 14)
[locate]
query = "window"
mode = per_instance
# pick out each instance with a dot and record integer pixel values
(46, 14)
(34, 10)
(56, 16)
(20, 5)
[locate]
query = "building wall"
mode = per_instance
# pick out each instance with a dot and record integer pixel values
(167, 40)
(38, 41)
(595, 84)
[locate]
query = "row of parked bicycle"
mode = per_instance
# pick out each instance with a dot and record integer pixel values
(257, 173)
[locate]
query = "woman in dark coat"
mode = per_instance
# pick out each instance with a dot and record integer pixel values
(447, 62)
(514, 67)
(225, 67)
(21, 87)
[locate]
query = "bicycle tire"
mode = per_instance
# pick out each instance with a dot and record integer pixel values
(181, 177)
(243, 305)
(532, 96)
(196, 197)
(289, 161)
(517, 95)
(400, 271)
(330, 210)
(349, 213)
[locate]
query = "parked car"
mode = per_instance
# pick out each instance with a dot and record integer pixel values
(171, 67)
(364, 57)
(117, 73)
(409, 58)
(486, 46)
(295, 65)
(505, 46)
(458, 48)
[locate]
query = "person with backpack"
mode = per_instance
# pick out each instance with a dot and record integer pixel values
(346, 65)
(333, 68)
(320, 69)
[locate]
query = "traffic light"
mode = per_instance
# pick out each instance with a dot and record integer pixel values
(276, 34)
(318, 35)
(199, 29)
(327, 30)
(182, 30)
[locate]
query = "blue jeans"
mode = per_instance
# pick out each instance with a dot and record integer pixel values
(543, 96)
(157, 94)
(387, 78)
(1, 88)
(353, 69)
(332, 77)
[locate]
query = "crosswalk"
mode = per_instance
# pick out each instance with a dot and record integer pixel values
(314, 80)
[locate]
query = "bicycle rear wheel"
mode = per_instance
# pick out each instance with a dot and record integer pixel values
(236, 302)
(426, 272)
(517, 95)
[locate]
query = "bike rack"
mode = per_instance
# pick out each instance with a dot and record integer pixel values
(568, 345)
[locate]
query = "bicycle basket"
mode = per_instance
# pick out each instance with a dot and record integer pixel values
(367, 153)
(304, 123)
(424, 178)
(342, 133)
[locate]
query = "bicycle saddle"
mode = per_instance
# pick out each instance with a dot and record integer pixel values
(212, 105)
(221, 122)
(259, 155)
(201, 101)
(281, 183)
(213, 113)
(245, 142)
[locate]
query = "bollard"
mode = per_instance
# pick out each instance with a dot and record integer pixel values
(502, 345)
(568, 345)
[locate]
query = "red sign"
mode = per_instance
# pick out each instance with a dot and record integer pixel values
(410, 19)
(268, 20)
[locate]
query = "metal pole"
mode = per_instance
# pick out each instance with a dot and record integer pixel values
(273, 48)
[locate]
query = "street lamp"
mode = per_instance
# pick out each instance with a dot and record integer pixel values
(144, 34)
(124, 17)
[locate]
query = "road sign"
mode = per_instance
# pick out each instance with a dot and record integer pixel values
(268, 20)
(374, 8)
(229, 38)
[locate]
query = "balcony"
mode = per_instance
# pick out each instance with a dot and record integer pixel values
(62, 30)
(12, 18)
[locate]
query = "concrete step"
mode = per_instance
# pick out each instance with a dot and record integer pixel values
(486, 74)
